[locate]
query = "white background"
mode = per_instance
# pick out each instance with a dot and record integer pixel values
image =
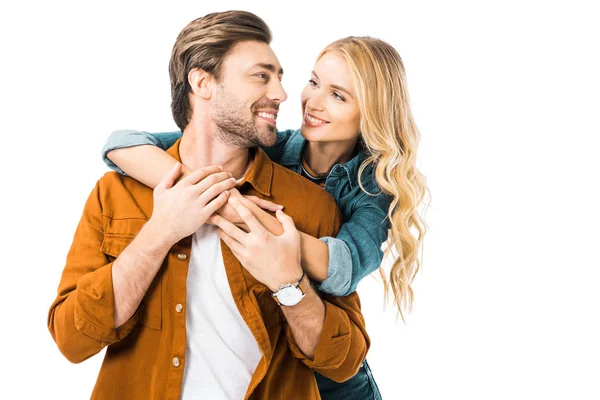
(506, 95)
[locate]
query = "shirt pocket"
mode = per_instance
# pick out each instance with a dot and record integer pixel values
(151, 306)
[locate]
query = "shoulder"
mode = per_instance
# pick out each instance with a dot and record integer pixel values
(371, 193)
(281, 145)
(124, 197)
(112, 180)
(291, 148)
(314, 210)
(301, 186)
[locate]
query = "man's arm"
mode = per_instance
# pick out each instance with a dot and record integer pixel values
(82, 317)
(134, 270)
(342, 343)
(336, 345)
(97, 299)
(328, 336)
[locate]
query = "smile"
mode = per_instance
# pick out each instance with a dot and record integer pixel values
(313, 121)
(268, 116)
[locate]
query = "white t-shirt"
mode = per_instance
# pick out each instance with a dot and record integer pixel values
(221, 353)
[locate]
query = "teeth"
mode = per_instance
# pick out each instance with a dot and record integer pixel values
(267, 115)
(314, 120)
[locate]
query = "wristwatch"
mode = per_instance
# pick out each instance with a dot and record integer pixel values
(290, 294)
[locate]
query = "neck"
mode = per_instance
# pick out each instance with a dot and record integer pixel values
(322, 156)
(200, 147)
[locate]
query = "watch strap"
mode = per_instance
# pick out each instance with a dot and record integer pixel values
(302, 285)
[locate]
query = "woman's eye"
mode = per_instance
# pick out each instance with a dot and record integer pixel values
(337, 96)
(312, 82)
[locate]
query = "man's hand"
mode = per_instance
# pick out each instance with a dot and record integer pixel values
(181, 209)
(271, 260)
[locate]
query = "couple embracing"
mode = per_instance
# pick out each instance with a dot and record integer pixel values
(221, 261)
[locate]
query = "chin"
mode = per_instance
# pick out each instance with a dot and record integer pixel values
(267, 139)
(313, 135)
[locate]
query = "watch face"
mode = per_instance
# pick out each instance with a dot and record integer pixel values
(289, 296)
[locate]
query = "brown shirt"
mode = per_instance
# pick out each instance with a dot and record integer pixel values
(145, 357)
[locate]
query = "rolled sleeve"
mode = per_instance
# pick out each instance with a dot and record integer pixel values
(94, 307)
(343, 344)
(81, 318)
(130, 138)
(364, 233)
(339, 270)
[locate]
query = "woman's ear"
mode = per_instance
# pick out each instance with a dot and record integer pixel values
(201, 83)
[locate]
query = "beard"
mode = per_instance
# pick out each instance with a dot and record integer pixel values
(235, 128)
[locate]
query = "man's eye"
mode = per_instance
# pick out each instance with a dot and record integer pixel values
(262, 76)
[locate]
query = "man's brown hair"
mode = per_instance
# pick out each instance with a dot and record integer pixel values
(204, 43)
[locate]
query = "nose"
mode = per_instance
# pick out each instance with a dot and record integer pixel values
(276, 91)
(315, 100)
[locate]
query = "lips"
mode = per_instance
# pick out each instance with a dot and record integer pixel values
(269, 116)
(312, 121)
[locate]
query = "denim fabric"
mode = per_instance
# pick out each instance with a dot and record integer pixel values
(339, 275)
(365, 226)
(361, 386)
(356, 251)
(129, 138)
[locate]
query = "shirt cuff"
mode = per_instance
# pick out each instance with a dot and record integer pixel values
(123, 139)
(94, 307)
(334, 342)
(339, 270)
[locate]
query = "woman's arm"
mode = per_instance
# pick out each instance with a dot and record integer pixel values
(134, 162)
(128, 152)
(315, 253)
(339, 264)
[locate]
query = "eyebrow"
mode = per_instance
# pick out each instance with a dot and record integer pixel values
(338, 87)
(269, 67)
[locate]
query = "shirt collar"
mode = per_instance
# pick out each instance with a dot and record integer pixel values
(291, 155)
(259, 176)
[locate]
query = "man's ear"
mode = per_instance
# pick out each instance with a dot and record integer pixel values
(201, 83)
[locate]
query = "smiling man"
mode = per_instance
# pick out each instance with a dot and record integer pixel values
(149, 278)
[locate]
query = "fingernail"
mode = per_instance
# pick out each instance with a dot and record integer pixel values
(220, 168)
(280, 207)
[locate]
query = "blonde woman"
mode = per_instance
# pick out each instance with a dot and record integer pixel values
(358, 140)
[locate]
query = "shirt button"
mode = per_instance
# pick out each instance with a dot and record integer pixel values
(181, 257)
(178, 307)
(176, 361)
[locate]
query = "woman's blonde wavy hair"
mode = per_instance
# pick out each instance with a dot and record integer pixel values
(390, 138)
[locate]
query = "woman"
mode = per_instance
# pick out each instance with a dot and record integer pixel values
(358, 140)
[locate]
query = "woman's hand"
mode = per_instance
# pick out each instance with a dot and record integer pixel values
(271, 260)
(229, 213)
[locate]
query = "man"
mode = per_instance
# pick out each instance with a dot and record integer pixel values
(149, 278)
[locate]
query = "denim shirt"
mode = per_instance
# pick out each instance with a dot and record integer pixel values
(356, 251)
